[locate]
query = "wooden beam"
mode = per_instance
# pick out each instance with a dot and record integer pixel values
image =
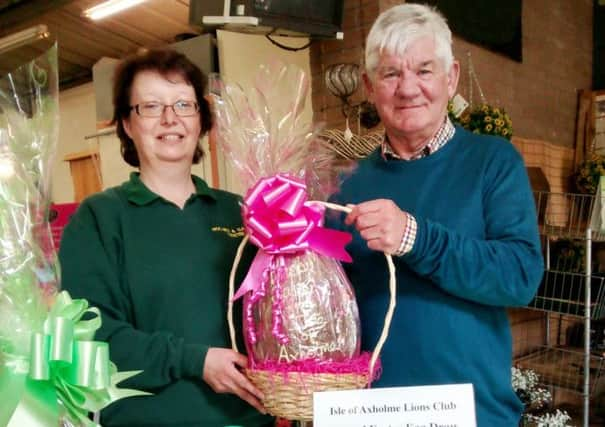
(24, 11)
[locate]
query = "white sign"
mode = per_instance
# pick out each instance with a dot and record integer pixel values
(425, 406)
(459, 105)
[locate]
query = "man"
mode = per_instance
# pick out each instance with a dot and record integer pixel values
(456, 210)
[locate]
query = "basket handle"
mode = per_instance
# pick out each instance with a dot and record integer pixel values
(388, 316)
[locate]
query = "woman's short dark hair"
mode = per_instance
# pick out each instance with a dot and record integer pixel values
(165, 62)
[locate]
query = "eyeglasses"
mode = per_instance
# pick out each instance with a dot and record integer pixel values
(156, 109)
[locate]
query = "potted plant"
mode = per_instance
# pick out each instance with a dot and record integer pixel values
(484, 119)
(536, 400)
(589, 173)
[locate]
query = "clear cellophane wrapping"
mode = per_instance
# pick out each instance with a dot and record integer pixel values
(28, 137)
(309, 313)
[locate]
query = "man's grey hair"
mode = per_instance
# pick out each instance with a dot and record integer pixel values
(396, 28)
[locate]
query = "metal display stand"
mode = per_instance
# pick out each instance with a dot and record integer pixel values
(571, 295)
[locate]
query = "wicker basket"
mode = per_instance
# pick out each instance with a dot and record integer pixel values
(357, 147)
(290, 395)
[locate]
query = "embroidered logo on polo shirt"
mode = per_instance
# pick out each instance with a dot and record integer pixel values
(231, 232)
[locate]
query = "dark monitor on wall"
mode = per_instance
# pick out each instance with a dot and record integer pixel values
(313, 18)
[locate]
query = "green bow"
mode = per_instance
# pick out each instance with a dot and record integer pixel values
(66, 368)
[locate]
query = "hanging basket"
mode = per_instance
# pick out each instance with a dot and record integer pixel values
(289, 395)
(482, 118)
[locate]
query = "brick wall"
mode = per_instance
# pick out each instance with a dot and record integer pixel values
(556, 161)
(358, 17)
(540, 94)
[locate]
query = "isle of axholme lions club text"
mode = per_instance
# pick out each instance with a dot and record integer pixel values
(405, 407)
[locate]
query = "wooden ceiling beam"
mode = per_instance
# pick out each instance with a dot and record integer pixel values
(116, 41)
(81, 41)
(24, 11)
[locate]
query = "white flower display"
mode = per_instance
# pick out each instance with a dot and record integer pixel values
(525, 383)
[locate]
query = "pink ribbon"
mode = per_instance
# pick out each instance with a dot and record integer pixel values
(281, 221)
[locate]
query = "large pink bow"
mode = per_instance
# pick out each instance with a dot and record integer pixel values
(281, 221)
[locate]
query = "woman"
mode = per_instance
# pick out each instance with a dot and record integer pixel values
(154, 256)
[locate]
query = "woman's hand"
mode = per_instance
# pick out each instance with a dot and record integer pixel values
(222, 373)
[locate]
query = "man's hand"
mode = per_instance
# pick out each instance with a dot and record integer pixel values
(380, 222)
(222, 374)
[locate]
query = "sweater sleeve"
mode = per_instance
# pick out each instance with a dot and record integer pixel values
(502, 268)
(90, 254)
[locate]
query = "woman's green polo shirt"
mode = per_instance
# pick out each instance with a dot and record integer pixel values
(159, 275)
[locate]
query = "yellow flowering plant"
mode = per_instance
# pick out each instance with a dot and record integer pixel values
(485, 119)
(589, 173)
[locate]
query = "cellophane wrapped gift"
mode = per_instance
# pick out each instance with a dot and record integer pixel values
(52, 372)
(299, 309)
(28, 135)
